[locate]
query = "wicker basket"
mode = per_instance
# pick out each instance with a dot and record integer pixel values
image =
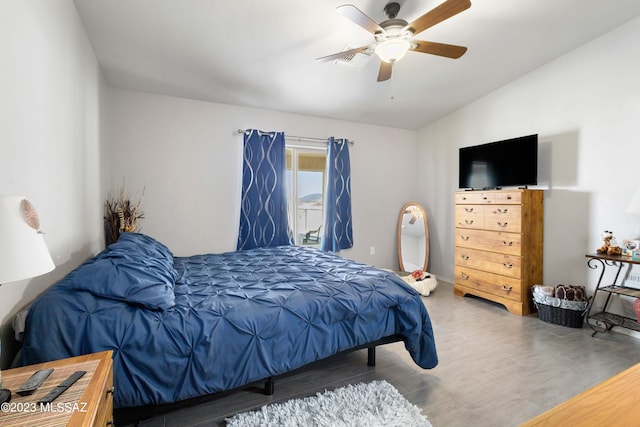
(559, 311)
(560, 316)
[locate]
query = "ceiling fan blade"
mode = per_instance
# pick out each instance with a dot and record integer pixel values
(440, 49)
(351, 12)
(385, 71)
(438, 14)
(344, 54)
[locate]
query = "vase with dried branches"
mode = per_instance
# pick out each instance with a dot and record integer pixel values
(121, 214)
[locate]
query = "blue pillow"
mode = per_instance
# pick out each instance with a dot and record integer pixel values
(134, 246)
(145, 244)
(136, 269)
(133, 280)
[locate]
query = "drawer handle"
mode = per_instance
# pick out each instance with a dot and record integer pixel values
(465, 257)
(503, 210)
(464, 276)
(484, 198)
(465, 238)
(111, 391)
(508, 265)
(507, 288)
(468, 221)
(468, 209)
(502, 224)
(507, 243)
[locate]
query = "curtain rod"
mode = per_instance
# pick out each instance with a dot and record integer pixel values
(299, 138)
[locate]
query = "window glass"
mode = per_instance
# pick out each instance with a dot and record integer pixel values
(306, 182)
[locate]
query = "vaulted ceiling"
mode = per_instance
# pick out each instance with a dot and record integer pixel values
(262, 54)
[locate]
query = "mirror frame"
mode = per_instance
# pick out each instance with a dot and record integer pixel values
(426, 235)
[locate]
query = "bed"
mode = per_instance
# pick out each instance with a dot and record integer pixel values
(182, 327)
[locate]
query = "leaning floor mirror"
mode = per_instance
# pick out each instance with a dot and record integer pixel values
(413, 238)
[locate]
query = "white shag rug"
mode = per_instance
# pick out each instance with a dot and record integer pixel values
(374, 404)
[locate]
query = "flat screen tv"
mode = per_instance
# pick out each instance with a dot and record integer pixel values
(508, 163)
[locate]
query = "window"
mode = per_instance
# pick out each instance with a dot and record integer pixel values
(306, 169)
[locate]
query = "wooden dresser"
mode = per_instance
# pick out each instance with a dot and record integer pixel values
(498, 245)
(88, 402)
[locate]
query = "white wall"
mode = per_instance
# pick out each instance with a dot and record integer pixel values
(186, 155)
(50, 137)
(585, 106)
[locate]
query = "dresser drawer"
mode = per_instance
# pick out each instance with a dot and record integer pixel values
(470, 216)
(492, 262)
(488, 197)
(493, 241)
(503, 218)
(475, 198)
(508, 197)
(494, 284)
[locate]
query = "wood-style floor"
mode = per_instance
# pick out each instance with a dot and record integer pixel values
(496, 369)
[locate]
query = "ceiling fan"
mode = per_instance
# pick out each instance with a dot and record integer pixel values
(394, 37)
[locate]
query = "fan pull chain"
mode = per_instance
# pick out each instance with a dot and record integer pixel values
(393, 96)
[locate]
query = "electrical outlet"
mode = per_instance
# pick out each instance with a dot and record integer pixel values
(372, 250)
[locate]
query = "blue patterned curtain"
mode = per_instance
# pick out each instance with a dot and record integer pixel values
(263, 209)
(338, 233)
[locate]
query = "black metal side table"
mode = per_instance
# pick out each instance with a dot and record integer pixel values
(604, 320)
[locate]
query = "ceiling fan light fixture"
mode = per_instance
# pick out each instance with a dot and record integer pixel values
(394, 36)
(392, 50)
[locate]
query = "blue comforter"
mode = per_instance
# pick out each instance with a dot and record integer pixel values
(188, 326)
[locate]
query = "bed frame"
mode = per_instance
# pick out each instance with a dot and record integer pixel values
(123, 416)
(269, 385)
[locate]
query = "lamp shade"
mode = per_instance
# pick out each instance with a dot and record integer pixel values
(634, 206)
(23, 253)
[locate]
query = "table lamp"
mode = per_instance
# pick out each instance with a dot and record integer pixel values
(634, 205)
(23, 253)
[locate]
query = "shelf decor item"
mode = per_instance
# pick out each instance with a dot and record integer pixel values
(569, 310)
(121, 215)
(629, 247)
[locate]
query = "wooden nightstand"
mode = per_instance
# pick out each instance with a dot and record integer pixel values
(88, 402)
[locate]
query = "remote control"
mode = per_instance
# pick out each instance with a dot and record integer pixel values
(34, 382)
(60, 388)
